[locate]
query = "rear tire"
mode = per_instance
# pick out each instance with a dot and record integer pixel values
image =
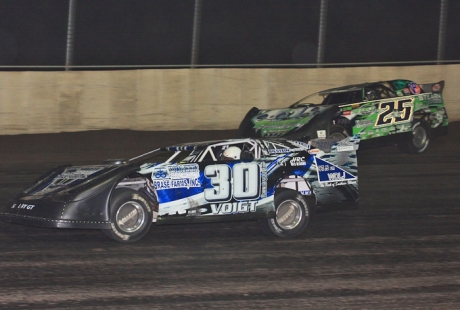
(130, 215)
(420, 138)
(292, 214)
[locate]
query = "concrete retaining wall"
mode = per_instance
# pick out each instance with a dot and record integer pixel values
(179, 99)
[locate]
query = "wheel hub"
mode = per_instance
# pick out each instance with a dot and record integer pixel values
(130, 217)
(419, 137)
(288, 214)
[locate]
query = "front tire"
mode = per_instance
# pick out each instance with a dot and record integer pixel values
(292, 214)
(420, 138)
(130, 215)
(339, 132)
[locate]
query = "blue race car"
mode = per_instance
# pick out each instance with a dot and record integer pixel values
(277, 182)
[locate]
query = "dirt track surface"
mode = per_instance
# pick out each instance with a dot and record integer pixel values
(400, 249)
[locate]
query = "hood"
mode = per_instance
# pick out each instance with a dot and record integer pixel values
(279, 122)
(66, 177)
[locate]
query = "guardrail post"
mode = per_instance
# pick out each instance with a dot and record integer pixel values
(322, 32)
(196, 33)
(442, 30)
(70, 34)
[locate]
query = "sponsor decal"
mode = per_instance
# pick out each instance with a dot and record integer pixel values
(278, 122)
(159, 173)
(345, 146)
(233, 207)
(330, 175)
(423, 106)
(189, 171)
(302, 145)
(436, 87)
(180, 183)
(272, 115)
(282, 161)
(176, 176)
(71, 175)
(414, 88)
(279, 151)
(366, 110)
(324, 144)
(263, 180)
(280, 126)
(76, 173)
(22, 206)
(298, 161)
(364, 123)
(321, 134)
(435, 98)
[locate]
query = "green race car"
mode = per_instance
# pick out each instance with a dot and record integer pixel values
(398, 112)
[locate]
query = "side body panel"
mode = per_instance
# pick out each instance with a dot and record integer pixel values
(391, 116)
(235, 190)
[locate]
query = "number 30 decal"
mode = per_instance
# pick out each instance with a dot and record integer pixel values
(246, 182)
(395, 112)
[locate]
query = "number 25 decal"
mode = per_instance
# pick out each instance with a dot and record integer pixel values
(398, 111)
(246, 182)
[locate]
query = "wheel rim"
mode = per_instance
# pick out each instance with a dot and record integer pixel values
(420, 137)
(338, 135)
(289, 214)
(130, 217)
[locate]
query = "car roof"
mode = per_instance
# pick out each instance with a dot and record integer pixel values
(201, 145)
(354, 87)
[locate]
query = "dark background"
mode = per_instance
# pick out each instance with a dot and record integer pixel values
(232, 32)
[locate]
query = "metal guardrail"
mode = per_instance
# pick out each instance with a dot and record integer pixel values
(188, 66)
(194, 61)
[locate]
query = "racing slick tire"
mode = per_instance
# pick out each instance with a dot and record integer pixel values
(130, 215)
(292, 214)
(337, 131)
(421, 133)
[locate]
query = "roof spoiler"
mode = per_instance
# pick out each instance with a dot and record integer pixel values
(433, 87)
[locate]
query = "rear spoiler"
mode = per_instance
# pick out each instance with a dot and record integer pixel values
(433, 87)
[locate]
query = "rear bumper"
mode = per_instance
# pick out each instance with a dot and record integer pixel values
(48, 222)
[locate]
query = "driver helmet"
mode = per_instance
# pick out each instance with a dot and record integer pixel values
(231, 153)
(371, 95)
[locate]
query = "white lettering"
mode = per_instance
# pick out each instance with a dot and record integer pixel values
(326, 168)
(234, 207)
(168, 184)
(22, 206)
(298, 161)
(128, 217)
(286, 215)
(190, 171)
(336, 176)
